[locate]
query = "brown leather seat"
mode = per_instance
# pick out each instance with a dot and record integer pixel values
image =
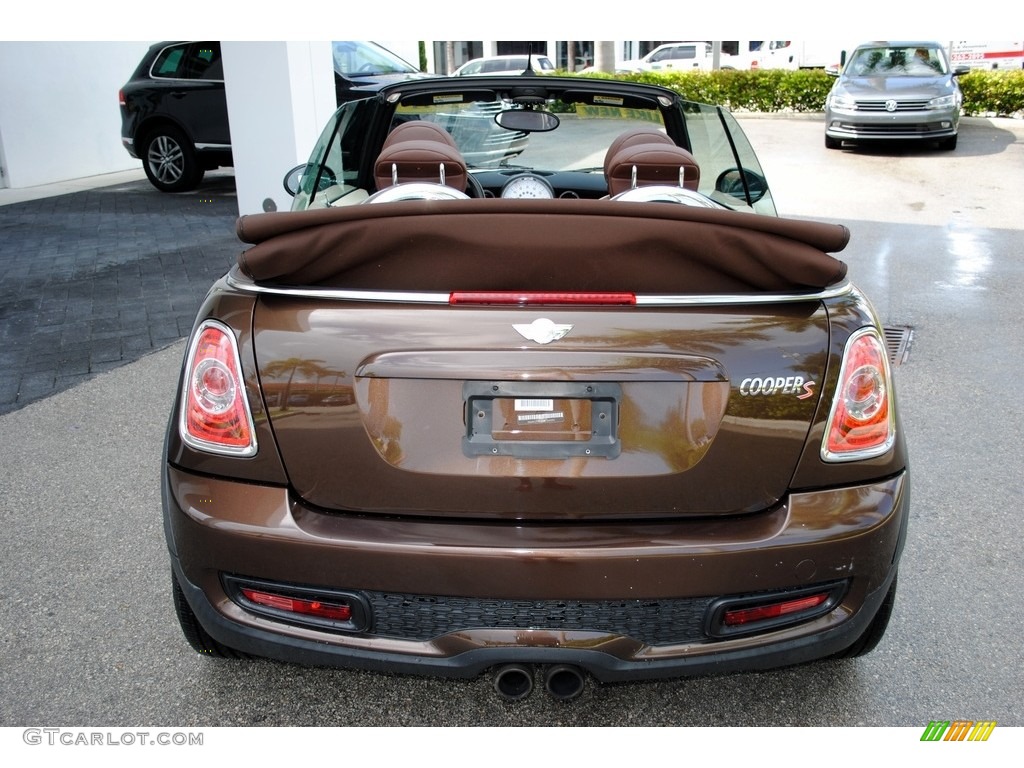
(419, 151)
(657, 163)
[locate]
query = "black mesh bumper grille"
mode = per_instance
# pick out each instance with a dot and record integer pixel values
(423, 617)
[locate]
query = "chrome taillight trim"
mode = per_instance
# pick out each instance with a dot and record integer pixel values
(206, 446)
(833, 457)
(434, 297)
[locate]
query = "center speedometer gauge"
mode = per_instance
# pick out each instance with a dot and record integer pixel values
(527, 186)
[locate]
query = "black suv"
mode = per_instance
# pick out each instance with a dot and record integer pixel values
(174, 114)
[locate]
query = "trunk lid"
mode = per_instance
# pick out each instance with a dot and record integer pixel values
(634, 413)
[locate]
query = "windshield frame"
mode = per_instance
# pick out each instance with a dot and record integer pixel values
(344, 165)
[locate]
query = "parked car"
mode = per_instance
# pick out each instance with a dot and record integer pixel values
(505, 65)
(686, 56)
(174, 114)
(611, 416)
(895, 90)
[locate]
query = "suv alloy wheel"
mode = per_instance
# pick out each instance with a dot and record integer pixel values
(170, 161)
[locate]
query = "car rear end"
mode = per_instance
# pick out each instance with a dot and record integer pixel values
(129, 94)
(608, 473)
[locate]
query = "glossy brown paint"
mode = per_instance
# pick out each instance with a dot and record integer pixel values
(847, 534)
(680, 442)
(363, 481)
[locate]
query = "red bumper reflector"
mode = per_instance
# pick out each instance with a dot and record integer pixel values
(524, 298)
(742, 616)
(333, 611)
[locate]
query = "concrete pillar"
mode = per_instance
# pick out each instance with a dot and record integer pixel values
(280, 95)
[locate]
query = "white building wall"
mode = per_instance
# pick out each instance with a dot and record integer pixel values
(59, 118)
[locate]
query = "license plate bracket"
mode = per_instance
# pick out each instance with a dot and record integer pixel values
(541, 419)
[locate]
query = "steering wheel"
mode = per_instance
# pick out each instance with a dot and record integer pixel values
(473, 186)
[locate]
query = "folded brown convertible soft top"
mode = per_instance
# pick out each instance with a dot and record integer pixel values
(548, 245)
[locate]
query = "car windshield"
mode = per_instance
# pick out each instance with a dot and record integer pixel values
(579, 143)
(582, 130)
(909, 61)
(360, 58)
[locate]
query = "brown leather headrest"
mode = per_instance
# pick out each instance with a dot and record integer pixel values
(420, 160)
(642, 135)
(654, 164)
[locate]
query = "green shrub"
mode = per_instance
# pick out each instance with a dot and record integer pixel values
(993, 93)
(777, 90)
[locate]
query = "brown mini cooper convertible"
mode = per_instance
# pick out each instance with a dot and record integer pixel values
(532, 380)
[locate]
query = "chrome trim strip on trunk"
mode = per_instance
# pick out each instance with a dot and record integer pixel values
(649, 300)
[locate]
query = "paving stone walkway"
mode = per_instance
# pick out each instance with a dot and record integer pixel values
(92, 280)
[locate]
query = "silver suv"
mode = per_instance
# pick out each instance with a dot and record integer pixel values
(888, 90)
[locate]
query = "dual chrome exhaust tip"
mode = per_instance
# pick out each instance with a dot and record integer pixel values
(516, 681)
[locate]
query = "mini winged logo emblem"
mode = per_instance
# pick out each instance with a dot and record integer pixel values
(542, 330)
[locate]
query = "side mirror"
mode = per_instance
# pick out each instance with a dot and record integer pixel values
(293, 179)
(744, 185)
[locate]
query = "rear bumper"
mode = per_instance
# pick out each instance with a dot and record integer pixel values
(851, 536)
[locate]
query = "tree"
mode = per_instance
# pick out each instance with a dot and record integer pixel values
(604, 56)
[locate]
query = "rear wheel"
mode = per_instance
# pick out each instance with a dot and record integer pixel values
(198, 637)
(170, 161)
(876, 629)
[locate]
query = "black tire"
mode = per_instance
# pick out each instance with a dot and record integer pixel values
(831, 143)
(948, 144)
(194, 633)
(170, 162)
(876, 629)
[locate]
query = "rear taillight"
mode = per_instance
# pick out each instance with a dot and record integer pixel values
(215, 414)
(862, 422)
(120, 98)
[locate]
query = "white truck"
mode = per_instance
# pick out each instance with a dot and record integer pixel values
(992, 55)
(671, 57)
(779, 54)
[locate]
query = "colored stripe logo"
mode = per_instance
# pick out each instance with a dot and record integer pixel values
(958, 730)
